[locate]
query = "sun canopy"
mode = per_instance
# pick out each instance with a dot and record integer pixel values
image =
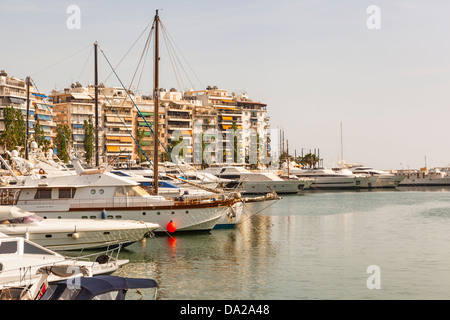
(88, 288)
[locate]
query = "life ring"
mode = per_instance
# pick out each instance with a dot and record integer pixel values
(41, 171)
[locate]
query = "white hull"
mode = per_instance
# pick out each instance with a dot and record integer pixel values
(263, 187)
(69, 234)
(231, 217)
(336, 183)
(415, 180)
(388, 181)
(185, 218)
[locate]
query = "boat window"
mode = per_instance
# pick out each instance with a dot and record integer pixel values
(43, 194)
(32, 249)
(136, 191)
(66, 193)
(70, 293)
(107, 296)
(120, 192)
(8, 247)
(23, 220)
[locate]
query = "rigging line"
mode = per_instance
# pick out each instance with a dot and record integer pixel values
(54, 64)
(139, 146)
(129, 50)
(139, 112)
(142, 70)
(178, 59)
(87, 60)
(171, 61)
(187, 62)
(144, 52)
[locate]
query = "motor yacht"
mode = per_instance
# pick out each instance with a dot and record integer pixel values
(383, 179)
(72, 234)
(330, 179)
(93, 194)
(432, 177)
(24, 263)
(255, 182)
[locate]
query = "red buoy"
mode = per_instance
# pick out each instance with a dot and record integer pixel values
(171, 227)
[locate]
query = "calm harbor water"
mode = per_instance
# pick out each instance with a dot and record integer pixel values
(316, 245)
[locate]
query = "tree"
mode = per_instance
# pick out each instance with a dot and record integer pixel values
(15, 129)
(39, 136)
(309, 160)
(63, 142)
(88, 140)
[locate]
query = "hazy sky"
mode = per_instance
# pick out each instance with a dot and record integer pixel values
(315, 63)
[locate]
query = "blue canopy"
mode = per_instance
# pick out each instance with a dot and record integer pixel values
(88, 287)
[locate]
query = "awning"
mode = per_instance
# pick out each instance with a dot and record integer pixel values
(16, 100)
(126, 139)
(112, 148)
(44, 117)
(227, 118)
(225, 108)
(81, 96)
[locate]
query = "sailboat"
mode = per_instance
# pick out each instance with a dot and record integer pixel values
(99, 194)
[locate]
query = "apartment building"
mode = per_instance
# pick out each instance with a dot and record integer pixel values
(143, 133)
(13, 93)
(72, 106)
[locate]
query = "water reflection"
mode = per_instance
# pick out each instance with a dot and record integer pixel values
(222, 264)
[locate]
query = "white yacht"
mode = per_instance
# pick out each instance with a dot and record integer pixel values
(432, 177)
(383, 179)
(72, 234)
(330, 179)
(91, 194)
(24, 263)
(259, 182)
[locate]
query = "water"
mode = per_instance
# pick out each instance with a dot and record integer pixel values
(317, 245)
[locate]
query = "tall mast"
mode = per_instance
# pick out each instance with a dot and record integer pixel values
(27, 119)
(96, 104)
(287, 150)
(342, 146)
(156, 99)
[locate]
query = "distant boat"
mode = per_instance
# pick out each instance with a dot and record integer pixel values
(256, 182)
(384, 179)
(330, 179)
(432, 177)
(72, 234)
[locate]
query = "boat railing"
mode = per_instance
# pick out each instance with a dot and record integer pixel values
(107, 257)
(144, 203)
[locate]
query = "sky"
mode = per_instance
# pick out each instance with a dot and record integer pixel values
(384, 75)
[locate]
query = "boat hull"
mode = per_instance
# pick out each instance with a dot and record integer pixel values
(70, 234)
(186, 217)
(264, 187)
(231, 217)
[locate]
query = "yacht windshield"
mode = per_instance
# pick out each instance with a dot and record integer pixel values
(23, 220)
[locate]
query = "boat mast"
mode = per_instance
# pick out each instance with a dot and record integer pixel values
(27, 119)
(287, 150)
(156, 99)
(96, 103)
